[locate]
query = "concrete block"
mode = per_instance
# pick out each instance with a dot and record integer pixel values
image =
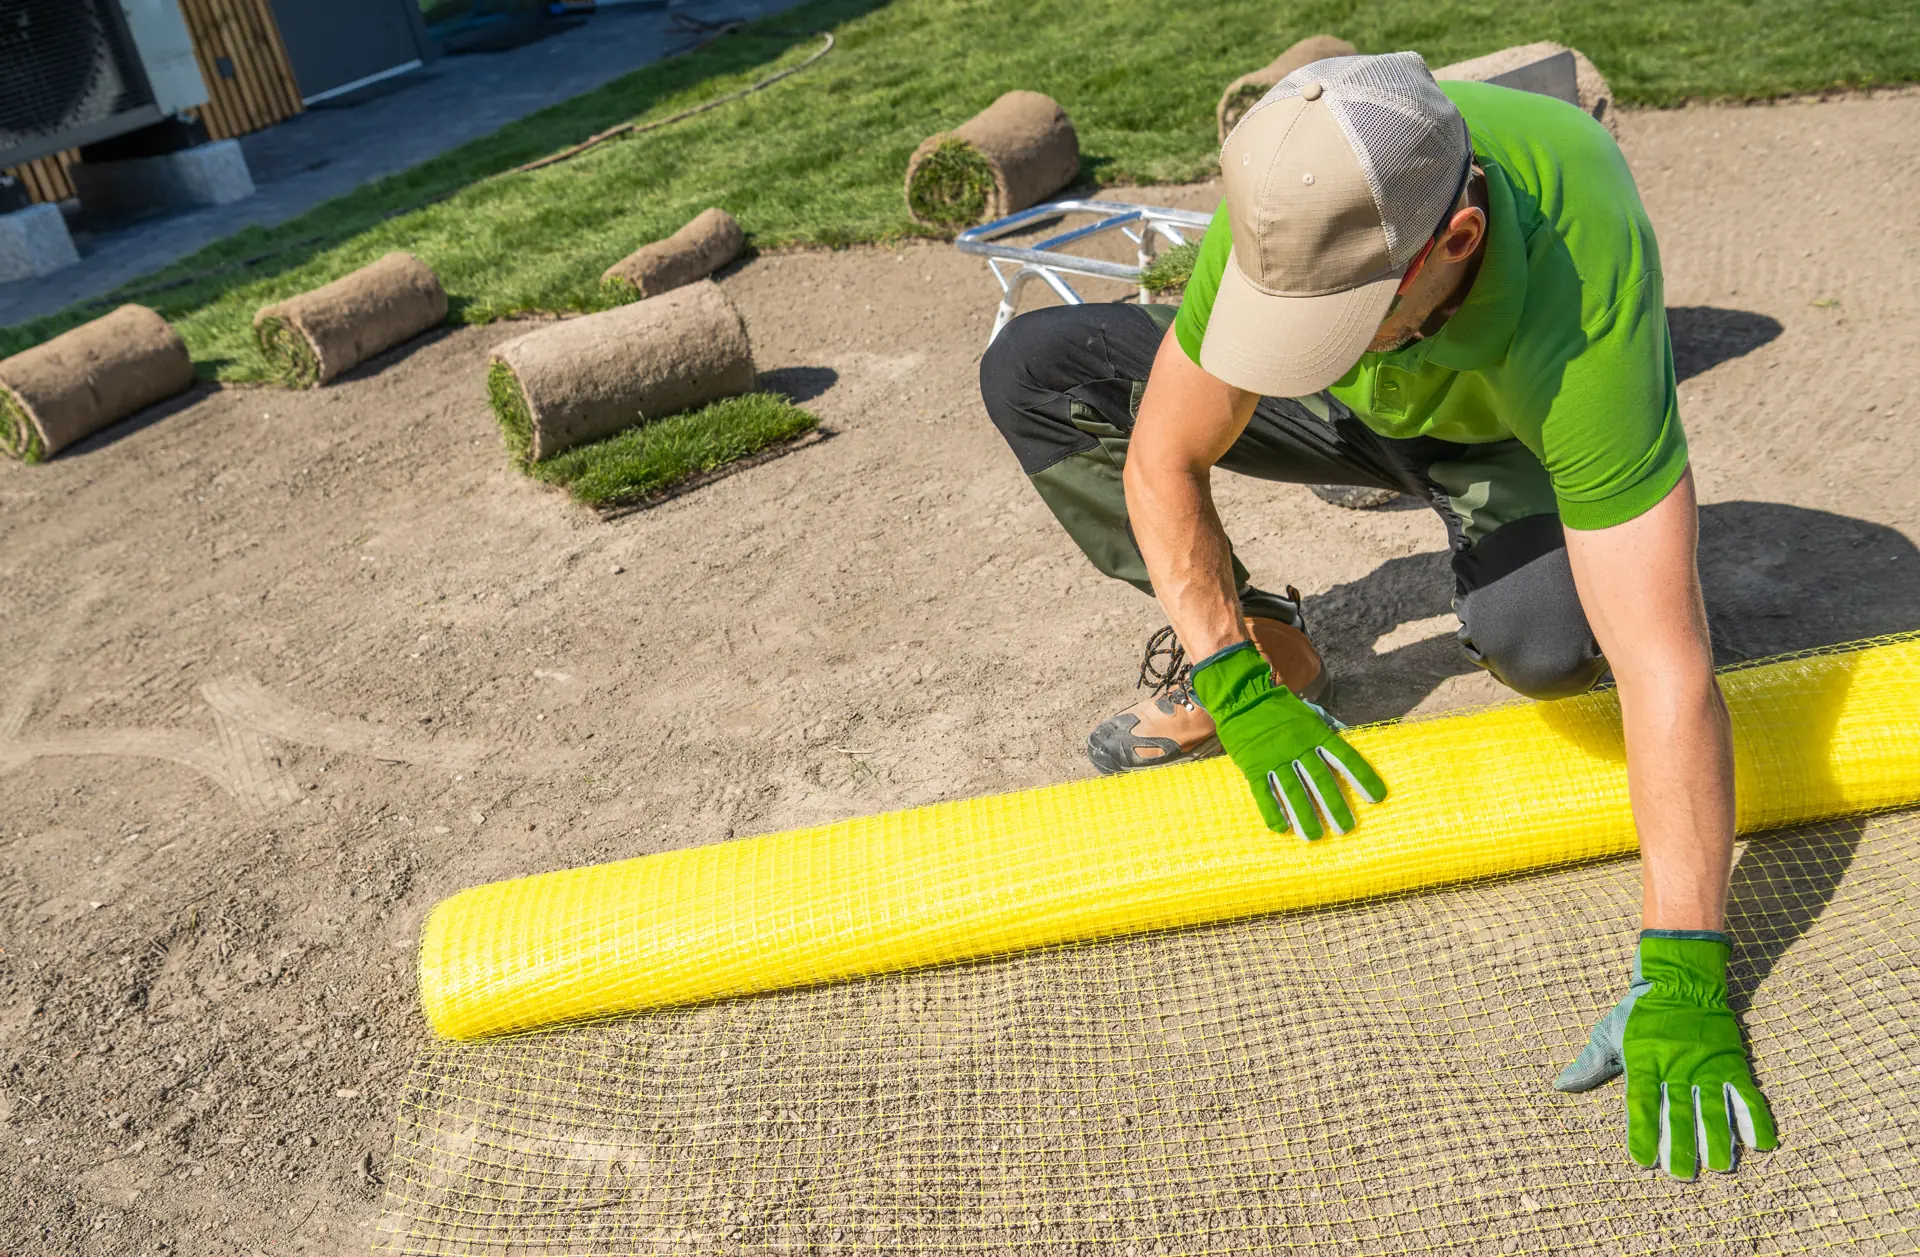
(207, 174)
(34, 242)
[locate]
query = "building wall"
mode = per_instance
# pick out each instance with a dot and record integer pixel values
(249, 80)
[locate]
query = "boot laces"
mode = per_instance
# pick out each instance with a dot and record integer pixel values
(1165, 669)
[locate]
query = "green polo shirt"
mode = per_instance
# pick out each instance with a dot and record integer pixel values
(1562, 342)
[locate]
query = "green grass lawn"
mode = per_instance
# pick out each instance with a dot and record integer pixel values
(818, 158)
(649, 459)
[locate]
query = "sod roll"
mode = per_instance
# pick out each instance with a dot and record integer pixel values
(582, 379)
(321, 335)
(1243, 92)
(87, 379)
(1493, 792)
(1015, 153)
(694, 252)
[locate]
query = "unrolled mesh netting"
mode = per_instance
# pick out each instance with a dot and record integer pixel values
(1372, 1075)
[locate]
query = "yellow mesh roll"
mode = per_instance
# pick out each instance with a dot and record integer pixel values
(1498, 791)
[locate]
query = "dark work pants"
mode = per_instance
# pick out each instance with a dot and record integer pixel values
(1063, 385)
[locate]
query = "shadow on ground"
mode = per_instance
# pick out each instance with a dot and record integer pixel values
(1706, 336)
(799, 384)
(1778, 578)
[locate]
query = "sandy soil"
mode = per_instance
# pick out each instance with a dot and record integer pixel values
(289, 668)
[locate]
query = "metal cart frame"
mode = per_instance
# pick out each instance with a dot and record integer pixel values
(1013, 266)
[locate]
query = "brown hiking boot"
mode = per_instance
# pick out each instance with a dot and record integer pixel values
(1168, 726)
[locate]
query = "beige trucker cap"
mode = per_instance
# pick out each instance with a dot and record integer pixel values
(1334, 181)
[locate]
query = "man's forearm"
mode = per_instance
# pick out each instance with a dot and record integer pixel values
(1187, 420)
(1680, 773)
(1640, 586)
(1188, 557)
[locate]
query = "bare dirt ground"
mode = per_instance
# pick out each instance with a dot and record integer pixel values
(289, 668)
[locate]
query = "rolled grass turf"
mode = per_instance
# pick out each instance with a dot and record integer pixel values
(689, 255)
(587, 378)
(1015, 153)
(651, 459)
(316, 337)
(87, 379)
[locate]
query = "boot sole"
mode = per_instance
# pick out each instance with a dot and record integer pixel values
(1205, 749)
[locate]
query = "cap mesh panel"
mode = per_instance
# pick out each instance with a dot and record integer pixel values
(1411, 170)
(1407, 135)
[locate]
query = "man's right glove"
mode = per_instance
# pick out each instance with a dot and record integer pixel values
(1688, 1081)
(1285, 750)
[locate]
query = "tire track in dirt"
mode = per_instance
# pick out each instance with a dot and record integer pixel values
(243, 756)
(244, 701)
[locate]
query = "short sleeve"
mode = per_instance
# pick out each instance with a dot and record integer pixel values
(1610, 437)
(1196, 305)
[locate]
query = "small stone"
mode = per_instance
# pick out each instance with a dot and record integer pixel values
(617, 569)
(1529, 1203)
(479, 818)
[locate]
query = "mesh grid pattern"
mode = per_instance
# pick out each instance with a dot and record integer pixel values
(1407, 135)
(1372, 1075)
(1480, 795)
(1373, 1079)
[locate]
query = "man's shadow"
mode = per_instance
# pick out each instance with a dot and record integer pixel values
(1777, 579)
(1784, 578)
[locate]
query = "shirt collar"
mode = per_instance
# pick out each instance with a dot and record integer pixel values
(1478, 335)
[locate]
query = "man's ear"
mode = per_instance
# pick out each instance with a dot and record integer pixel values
(1464, 233)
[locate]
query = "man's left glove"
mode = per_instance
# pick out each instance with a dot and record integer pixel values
(1688, 1081)
(1281, 744)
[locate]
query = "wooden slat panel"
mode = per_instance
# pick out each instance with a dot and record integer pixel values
(241, 99)
(46, 178)
(261, 90)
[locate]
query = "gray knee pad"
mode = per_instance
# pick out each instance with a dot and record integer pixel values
(1529, 630)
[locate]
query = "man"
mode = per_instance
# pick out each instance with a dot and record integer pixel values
(1453, 292)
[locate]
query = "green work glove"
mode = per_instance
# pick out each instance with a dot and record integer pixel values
(1286, 751)
(1688, 1081)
